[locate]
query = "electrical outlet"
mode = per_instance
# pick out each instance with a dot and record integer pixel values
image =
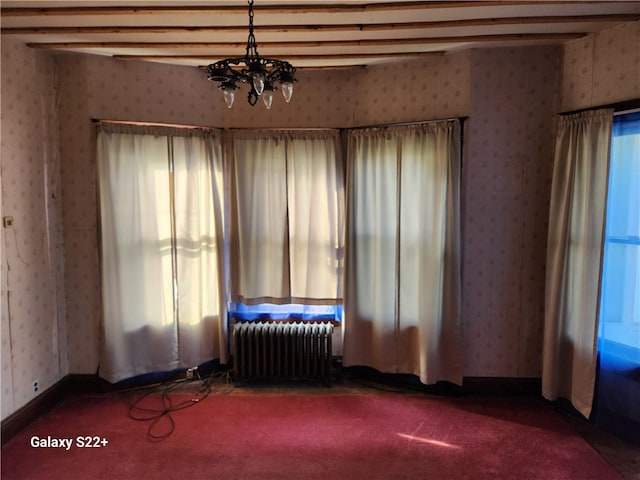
(7, 222)
(36, 386)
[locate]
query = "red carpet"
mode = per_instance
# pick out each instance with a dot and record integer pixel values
(325, 436)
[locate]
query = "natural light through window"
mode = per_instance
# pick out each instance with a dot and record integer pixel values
(620, 302)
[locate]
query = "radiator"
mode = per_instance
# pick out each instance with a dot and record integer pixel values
(280, 351)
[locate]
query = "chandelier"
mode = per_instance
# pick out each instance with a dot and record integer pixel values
(260, 73)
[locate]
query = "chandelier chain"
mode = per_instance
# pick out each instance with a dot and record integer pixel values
(252, 44)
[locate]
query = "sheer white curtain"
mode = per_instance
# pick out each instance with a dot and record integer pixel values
(286, 217)
(402, 288)
(574, 253)
(161, 248)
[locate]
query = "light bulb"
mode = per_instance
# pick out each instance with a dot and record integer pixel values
(229, 96)
(258, 83)
(287, 91)
(267, 98)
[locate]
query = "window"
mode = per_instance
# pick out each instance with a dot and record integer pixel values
(403, 241)
(620, 302)
(161, 256)
(290, 311)
(618, 380)
(286, 217)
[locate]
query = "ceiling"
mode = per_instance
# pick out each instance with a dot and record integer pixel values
(314, 34)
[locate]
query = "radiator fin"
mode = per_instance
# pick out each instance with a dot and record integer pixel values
(281, 351)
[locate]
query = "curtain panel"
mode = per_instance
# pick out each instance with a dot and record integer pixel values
(286, 217)
(574, 255)
(161, 231)
(403, 283)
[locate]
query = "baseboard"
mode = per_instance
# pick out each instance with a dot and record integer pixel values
(43, 403)
(499, 386)
(478, 386)
(72, 383)
(89, 383)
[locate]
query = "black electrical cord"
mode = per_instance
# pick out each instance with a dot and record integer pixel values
(163, 414)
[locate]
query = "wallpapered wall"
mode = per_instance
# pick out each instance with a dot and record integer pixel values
(509, 147)
(602, 69)
(33, 318)
(98, 87)
(509, 94)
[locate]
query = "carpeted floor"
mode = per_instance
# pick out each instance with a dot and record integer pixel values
(277, 435)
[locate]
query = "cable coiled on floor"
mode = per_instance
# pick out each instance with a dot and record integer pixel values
(162, 423)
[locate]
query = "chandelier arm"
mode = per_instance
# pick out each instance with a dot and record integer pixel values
(252, 96)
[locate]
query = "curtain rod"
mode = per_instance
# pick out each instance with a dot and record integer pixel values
(285, 129)
(626, 112)
(282, 129)
(156, 124)
(620, 107)
(406, 124)
(152, 124)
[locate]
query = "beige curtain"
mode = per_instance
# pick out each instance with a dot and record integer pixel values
(286, 217)
(162, 263)
(574, 251)
(402, 289)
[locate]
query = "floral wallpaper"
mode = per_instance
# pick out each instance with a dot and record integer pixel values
(50, 299)
(33, 341)
(602, 68)
(509, 153)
